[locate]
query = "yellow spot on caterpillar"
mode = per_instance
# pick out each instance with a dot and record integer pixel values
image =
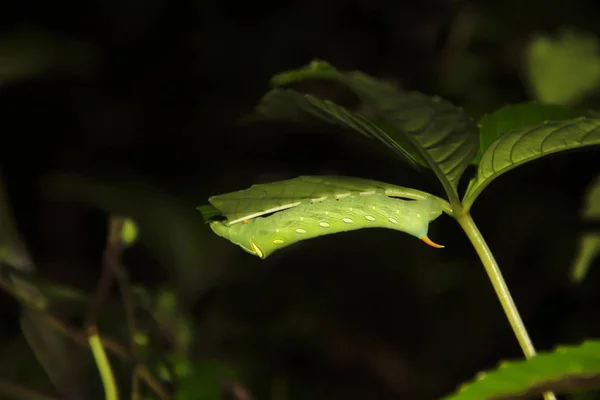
(348, 220)
(370, 218)
(324, 224)
(393, 220)
(257, 250)
(277, 241)
(432, 243)
(245, 221)
(300, 230)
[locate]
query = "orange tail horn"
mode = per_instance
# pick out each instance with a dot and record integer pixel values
(432, 243)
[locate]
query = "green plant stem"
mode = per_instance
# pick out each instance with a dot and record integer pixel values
(493, 271)
(106, 373)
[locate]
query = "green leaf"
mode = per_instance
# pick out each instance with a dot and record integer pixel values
(591, 209)
(432, 128)
(129, 232)
(523, 145)
(168, 312)
(289, 105)
(589, 242)
(516, 116)
(566, 369)
(588, 250)
(206, 380)
(209, 212)
(4, 254)
(563, 70)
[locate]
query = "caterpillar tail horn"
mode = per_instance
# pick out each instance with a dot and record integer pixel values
(432, 243)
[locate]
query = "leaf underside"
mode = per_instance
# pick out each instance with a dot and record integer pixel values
(523, 145)
(289, 105)
(429, 128)
(564, 370)
(209, 212)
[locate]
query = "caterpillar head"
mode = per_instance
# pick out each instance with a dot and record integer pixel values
(243, 235)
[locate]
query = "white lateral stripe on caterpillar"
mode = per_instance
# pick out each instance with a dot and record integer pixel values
(262, 236)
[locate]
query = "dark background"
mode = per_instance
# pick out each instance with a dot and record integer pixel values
(133, 104)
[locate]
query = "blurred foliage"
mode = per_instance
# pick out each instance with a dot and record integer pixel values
(564, 70)
(204, 382)
(31, 54)
(111, 107)
(129, 232)
(589, 242)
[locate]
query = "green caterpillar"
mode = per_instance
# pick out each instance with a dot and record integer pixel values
(271, 216)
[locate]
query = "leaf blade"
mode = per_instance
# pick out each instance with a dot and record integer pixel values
(562, 370)
(289, 105)
(515, 116)
(523, 145)
(441, 134)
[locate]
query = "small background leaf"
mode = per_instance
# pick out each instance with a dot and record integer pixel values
(592, 200)
(433, 128)
(29, 53)
(563, 370)
(129, 232)
(516, 116)
(523, 145)
(206, 380)
(589, 243)
(209, 212)
(563, 70)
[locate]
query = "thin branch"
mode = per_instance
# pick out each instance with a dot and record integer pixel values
(81, 339)
(112, 262)
(106, 373)
(112, 268)
(101, 294)
(37, 303)
(112, 346)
